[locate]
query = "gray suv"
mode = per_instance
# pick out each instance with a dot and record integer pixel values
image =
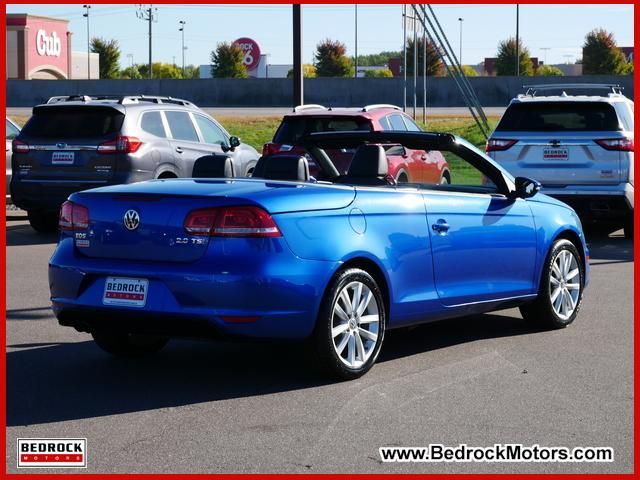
(74, 143)
(580, 147)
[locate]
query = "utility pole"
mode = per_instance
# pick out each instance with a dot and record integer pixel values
(149, 14)
(130, 57)
(355, 74)
(182, 24)
(298, 82)
(86, 14)
(414, 19)
(517, 40)
(424, 75)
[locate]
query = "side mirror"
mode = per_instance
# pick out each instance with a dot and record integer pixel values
(233, 143)
(526, 187)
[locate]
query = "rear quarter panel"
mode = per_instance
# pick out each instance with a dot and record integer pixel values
(388, 228)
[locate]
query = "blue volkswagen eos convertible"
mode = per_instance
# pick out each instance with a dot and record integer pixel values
(334, 260)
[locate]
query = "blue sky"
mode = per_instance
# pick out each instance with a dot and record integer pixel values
(561, 28)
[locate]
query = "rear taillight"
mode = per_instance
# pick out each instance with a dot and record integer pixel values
(73, 216)
(122, 144)
(623, 144)
(270, 148)
(499, 145)
(18, 146)
(231, 222)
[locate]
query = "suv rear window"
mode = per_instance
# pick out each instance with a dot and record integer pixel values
(294, 128)
(73, 122)
(559, 117)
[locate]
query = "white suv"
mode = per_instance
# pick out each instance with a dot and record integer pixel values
(579, 147)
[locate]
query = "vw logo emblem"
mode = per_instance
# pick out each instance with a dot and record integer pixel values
(131, 220)
(61, 145)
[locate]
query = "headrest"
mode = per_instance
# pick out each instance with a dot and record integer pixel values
(213, 166)
(369, 161)
(282, 167)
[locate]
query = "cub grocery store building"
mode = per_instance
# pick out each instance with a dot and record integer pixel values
(40, 48)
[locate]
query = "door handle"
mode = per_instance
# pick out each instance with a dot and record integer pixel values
(441, 227)
(179, 149)
(424, 157)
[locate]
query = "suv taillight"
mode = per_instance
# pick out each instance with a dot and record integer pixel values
(122, 144)
(499, 145)
(246, 221)
(270, 148)
(73, 216)
(18, 146)
(623, 144)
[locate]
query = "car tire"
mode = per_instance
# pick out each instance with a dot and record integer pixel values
(444, 180)
(560, 295)
(43, 222)
(402, 178)
(628, 226)
(129, 345)
(347, 341)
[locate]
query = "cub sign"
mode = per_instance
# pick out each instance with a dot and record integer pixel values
(48, 45)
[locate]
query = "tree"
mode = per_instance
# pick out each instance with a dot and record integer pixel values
(376, 59)
(160, 70)
(601, 55)
(435, 67)
(383, 73)
(109, 54)
(131, 73)
(549, 71)
(227, 61)
(331, 60)
(308, 71)
(191, 71)
(506, 61)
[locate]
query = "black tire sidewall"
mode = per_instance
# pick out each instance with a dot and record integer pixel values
(325, 351)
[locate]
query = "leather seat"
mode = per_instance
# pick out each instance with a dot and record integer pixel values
(369, 166)
(213, 166)
(282, 167)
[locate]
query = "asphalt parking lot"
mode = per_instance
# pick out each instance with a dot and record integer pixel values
(220, 407)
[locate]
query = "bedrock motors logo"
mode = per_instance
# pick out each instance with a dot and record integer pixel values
(52, 453)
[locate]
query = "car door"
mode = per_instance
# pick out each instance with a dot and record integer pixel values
(411, 162)
(185, 141)
(483, 242)
(213, 137)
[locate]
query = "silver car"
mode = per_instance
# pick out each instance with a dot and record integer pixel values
(579, 147)
(74, 143)
(11, 132)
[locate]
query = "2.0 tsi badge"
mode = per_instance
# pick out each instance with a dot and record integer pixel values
(131, 220)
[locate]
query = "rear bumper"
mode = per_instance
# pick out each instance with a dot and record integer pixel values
(47, 195)
(596, 202)
(270, 295)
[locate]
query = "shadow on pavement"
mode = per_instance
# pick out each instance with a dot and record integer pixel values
(610, 248)
(22, 234)
(54, 382)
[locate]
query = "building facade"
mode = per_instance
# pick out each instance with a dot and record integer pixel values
(40, 48)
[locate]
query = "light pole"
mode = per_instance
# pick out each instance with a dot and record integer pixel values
(517, 40)
(545, 50)
(86, 14)
(356, 34)
(130, 57)
(460, 58)
(182, 24)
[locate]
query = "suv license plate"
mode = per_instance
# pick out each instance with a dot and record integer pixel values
(62, 158)
(555, 154)
(130, 292)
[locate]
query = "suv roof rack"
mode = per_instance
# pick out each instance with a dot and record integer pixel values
(121, 99)
(310, 106)
(374, 106)
(531, 90)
